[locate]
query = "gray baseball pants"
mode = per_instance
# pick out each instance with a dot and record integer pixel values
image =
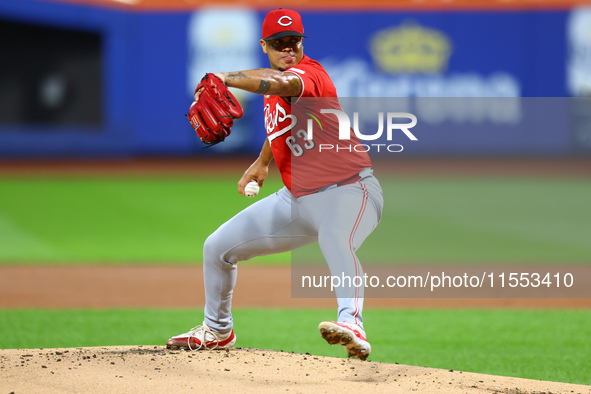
(339, 218)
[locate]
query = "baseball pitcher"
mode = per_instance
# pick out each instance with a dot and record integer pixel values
(330, 197)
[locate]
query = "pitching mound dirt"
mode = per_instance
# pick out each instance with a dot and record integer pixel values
(147, 369)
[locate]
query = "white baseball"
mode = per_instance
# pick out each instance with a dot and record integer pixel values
(252, 189)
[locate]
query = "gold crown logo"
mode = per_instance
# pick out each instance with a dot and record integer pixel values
(411, 48)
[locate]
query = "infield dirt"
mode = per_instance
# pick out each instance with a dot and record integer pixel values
(100, 287)
(156, 369)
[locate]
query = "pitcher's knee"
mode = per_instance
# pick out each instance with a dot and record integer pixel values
(212, 248)
(216, 249)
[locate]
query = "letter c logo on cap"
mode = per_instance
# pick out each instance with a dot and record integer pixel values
(289, 21)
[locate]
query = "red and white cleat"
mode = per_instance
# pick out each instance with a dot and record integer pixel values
(202, 338)
(350, 335)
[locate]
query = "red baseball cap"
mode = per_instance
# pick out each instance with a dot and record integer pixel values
(282, 23)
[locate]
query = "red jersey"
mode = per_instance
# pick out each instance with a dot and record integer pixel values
(307, 165)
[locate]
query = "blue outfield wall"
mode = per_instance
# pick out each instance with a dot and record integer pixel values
(152, 61)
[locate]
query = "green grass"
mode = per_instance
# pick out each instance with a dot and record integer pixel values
(129, 220)
(154, 220)
(489, 220)
(549, 345)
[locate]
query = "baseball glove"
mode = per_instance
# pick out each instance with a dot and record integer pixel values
(213, 114)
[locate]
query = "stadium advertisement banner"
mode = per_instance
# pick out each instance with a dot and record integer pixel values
(442, 55)
(150, 63)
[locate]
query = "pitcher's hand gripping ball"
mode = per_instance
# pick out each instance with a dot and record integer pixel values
(213, 114)
(251, 189)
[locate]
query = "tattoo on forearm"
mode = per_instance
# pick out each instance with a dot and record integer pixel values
(237, 75)
(264, 87)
